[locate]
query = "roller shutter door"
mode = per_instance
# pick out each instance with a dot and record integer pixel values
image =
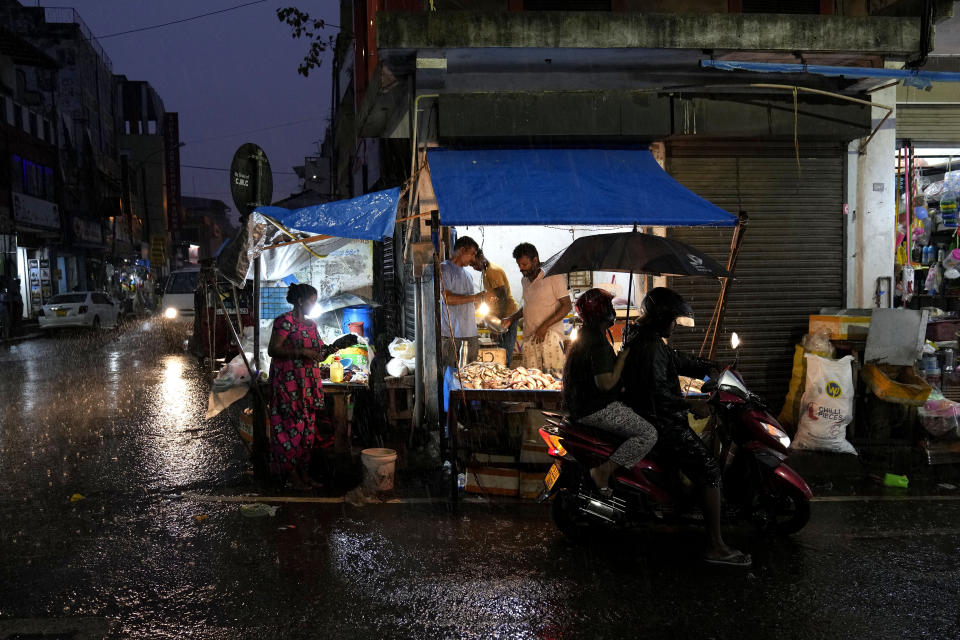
(929, 123)
(792, 259)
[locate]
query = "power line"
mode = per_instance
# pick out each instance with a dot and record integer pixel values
(167, 24)
(194, 166)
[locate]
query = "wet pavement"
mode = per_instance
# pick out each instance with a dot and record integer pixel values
(158, 546)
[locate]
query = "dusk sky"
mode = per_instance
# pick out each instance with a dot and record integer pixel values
(231, 76)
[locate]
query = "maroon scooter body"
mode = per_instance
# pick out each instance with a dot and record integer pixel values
(749, 435)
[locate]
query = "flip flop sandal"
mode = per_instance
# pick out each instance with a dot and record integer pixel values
(736, 559)
(606, 492)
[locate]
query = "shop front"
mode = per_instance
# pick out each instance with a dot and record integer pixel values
(491, 412)
(80, 265)
(38, 227)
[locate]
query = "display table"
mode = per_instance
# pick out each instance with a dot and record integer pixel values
(454, 394)
(336, 395)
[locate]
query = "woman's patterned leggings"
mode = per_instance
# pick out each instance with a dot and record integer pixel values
(620, 420)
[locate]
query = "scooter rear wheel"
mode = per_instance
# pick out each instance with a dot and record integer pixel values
(570, 519)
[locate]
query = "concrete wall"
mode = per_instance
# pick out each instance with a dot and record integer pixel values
(872, 208)
(880, 35)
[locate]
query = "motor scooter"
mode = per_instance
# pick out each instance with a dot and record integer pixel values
(749, 443)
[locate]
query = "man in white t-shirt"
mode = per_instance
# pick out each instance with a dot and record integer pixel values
(546, 302)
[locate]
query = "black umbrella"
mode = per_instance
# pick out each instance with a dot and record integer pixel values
(633, 252)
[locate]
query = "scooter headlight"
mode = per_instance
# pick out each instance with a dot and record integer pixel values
(777, 434)
(170, 313)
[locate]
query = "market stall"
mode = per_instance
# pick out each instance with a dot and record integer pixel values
(542, 187)
(277, 247)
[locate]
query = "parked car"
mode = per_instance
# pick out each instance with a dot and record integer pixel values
(92, 309)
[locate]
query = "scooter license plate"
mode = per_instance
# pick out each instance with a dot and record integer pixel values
(552, 476)
(61, 313)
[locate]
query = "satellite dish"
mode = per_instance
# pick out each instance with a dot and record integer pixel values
(251, 181)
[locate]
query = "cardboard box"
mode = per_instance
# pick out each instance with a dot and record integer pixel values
(492, 354)
(535, 453)
(493, 480)
(531, 485)
(841, 327)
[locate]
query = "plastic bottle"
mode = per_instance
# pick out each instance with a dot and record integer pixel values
(336, 370)
(928, 254)
(941, 254)
(461, 482)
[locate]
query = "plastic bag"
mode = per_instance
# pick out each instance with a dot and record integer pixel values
(401, 348)
(233, 374)
(827, 405)
(791, 404)
(818, 343)
(396, 368)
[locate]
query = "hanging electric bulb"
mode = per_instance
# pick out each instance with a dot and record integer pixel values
(574, 333)
(483, 309)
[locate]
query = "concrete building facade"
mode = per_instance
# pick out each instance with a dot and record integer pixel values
(808, 157)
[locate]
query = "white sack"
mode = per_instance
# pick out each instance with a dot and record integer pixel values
(827, 405)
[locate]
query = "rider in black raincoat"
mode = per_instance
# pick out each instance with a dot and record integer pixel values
(651, 388)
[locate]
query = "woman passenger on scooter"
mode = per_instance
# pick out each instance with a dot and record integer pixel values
(591, 378)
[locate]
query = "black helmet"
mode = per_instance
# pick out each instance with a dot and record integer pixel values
(661, 306)
(595, 308)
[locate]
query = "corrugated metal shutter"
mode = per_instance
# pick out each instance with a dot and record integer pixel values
(792, 259)
(930, 123)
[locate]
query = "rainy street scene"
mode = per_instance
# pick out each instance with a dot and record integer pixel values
(479, 319)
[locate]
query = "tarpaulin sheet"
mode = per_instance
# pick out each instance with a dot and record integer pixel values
(367, 217)
(911, 77)
(564, 186)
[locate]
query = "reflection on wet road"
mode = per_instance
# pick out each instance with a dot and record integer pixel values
(121, 422)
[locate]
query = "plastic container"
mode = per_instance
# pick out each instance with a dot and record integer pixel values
(894, 480)
(336, 370)
(378, 468)
(358, 314)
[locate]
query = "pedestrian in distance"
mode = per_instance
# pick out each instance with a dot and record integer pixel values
(296, 390)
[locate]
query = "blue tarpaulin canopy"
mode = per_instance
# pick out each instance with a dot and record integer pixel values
(564, 186)
(367, 217)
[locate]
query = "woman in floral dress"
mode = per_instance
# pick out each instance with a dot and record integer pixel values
(297, 393)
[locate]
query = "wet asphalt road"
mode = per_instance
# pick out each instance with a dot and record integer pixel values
(116, 419)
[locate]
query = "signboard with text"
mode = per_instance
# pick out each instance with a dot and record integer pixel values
(35, 212)
(171, 145)
(251, 180)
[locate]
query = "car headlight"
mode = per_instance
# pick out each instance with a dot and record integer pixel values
(778, 434)
(170, 313)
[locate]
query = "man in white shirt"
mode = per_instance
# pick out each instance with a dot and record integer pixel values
(546, 302)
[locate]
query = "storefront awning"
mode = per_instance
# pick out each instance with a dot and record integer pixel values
(367, 217)
(564, 186)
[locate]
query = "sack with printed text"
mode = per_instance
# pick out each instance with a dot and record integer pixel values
(827, 405)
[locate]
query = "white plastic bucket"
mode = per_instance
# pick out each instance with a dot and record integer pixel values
(378, 467)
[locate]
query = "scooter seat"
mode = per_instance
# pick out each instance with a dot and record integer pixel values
(592, 435)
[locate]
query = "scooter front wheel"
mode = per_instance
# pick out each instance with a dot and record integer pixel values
(785, 507)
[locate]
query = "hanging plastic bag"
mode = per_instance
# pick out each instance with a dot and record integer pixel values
(827, 405)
